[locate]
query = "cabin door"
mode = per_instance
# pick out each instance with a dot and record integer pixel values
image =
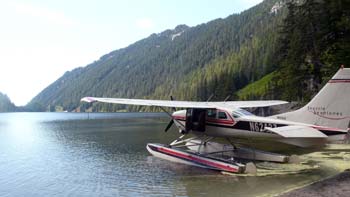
(195, 119)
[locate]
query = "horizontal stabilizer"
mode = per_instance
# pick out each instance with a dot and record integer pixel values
(297, 132)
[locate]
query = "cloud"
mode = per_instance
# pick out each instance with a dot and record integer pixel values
(145, 23)
(43, 13)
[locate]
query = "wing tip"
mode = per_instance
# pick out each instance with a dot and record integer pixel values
(280, 101)
(88, 99)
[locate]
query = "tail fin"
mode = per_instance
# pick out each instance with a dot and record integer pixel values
(330, 107)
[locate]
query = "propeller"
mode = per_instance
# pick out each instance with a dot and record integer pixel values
(172, 120)
(169, 125)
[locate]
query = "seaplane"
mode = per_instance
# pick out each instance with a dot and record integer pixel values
(325, 119)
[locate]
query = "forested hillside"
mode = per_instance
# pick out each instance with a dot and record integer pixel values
(5, 104)
(314, 41)
(219, 57)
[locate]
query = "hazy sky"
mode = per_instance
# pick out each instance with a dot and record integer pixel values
(42, 39)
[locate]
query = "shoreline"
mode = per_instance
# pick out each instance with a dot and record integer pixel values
(337, 185)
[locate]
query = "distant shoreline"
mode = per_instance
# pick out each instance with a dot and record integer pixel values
(337, 185)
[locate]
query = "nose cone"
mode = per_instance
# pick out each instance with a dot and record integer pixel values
(179, 114)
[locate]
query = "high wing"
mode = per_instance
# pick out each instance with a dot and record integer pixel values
(186, 104)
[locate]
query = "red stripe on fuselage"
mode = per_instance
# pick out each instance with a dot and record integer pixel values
(179, 117)
(228, 121)
(339, 81)
(199, 160)
(209, 120)
(327, 128)
(220, 121)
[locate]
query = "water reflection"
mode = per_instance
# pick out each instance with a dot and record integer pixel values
(45, 154)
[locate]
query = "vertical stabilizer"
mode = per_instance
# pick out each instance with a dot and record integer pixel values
(330, 107)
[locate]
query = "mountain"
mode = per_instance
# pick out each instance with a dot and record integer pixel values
(218, 57)
(5, 104)
(275, 50)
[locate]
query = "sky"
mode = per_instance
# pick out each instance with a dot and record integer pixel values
(42, 39)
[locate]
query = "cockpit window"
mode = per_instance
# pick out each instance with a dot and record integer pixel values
(222, 115)
(241, 112)
(236, 115)
(245, 112)
(211, 113)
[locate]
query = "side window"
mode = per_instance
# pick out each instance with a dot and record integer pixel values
(211, 113)
(222, 115)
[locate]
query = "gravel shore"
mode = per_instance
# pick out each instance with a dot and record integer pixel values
(336, 186)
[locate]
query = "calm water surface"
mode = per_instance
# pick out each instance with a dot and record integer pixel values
(72, 154)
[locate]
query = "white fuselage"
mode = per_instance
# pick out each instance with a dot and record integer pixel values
(235, 124)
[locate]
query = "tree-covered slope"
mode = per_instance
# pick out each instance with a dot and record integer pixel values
(218, 57)
(314, 41)
(258, 90)
(5, 104)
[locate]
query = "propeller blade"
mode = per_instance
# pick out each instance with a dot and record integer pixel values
(169, 125)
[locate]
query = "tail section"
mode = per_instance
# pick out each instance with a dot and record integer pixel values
(330, 107)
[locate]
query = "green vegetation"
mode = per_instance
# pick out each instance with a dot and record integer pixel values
(218, 57)
(289, 53)
(314, 42)
(258, 90)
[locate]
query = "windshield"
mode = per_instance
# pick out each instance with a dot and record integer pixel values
(245, 112)
(241, 112)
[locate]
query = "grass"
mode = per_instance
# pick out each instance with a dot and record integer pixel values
(257, 89)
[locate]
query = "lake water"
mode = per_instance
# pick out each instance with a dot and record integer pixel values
(104, 154)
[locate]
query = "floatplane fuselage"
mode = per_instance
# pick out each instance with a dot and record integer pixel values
(239, 123)
(324, 119)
